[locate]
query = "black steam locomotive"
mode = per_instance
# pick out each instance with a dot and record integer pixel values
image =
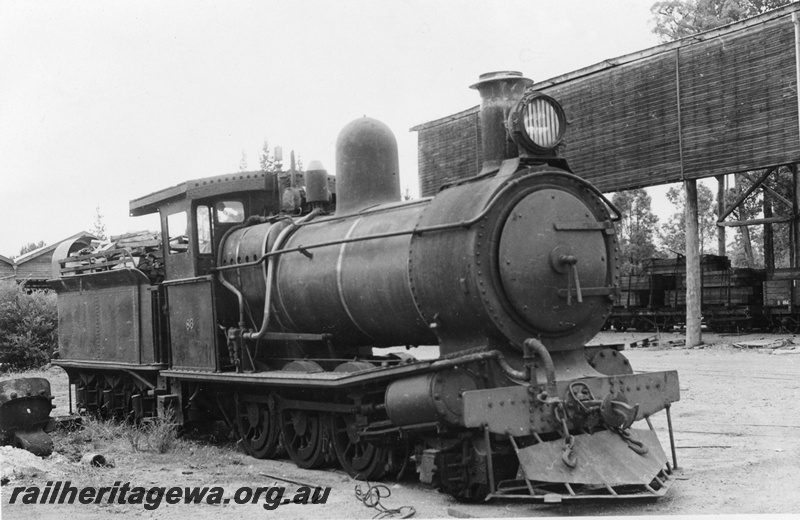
(266, 308)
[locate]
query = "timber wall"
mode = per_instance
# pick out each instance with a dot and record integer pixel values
(720, 102)
(6, 269)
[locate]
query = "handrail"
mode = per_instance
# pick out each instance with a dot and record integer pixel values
(422, 230)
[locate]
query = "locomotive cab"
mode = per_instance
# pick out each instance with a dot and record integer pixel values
(195, 217)
(196, 214)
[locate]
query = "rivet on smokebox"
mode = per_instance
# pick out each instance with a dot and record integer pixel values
(97, 460)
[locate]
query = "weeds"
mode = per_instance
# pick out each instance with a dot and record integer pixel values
(162, 432)
(159, 435)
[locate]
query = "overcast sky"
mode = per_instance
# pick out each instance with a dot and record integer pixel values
(103, 102)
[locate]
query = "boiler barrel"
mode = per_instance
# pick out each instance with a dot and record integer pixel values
(358, 291)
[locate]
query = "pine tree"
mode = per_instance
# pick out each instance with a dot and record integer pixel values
(99, 226)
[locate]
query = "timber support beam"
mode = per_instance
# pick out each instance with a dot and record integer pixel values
(693, 279)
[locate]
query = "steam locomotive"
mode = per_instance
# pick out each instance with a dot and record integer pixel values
(267, 308)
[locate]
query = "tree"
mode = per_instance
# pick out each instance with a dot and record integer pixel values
(99, 226)
(751, 208)
(31, 246)
(266, 158)
(675, 19)
(673, 233)
(28, 326)
(243, 161)
(636, 231)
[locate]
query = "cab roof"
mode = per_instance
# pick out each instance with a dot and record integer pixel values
(202, 188)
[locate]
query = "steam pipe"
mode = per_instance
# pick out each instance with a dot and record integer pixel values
(531, 349)
(226, 283)
(269, 276)
(510, 371)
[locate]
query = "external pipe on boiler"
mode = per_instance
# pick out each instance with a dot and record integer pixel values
(421, 230)
(269, 275)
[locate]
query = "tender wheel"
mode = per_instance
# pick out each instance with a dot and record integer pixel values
(360, 459)
(304, 437)
(86, 397)
(258, 429)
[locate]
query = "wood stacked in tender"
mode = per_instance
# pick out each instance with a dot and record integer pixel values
(141, 250)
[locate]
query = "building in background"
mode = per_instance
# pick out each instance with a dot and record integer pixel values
(34, 267)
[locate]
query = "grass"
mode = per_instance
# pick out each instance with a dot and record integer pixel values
(157, 435)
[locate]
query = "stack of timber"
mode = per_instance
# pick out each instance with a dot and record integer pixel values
(141, 250)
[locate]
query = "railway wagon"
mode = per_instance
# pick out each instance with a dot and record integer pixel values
(655, 297)
(268, 317)
(782, 300)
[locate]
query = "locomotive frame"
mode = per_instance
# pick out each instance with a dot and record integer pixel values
(267, 319)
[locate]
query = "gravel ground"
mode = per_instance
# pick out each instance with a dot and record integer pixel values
(736, 429)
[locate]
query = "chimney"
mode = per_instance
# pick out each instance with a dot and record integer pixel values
(499, 91)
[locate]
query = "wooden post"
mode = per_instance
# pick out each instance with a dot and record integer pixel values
(721, 250)
(769, 241)
(693, 280)
(795, 249)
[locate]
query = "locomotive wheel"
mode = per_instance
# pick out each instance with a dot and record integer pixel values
(258, 429)
(304, 437)
(360, 459)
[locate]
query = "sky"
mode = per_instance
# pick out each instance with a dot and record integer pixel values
(104, 102)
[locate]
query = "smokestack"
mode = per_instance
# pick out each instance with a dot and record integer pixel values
(499, 91)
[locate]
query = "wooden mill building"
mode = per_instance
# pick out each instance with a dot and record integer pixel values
(716, 103)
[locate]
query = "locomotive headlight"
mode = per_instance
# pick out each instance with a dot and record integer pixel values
(537, 123)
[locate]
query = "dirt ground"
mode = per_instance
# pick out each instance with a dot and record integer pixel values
(737, 431)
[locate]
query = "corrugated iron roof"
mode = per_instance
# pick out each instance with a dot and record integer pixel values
(30, 255)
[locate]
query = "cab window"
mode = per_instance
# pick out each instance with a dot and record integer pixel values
(229, 211)
(177, 232)
(204, 229)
